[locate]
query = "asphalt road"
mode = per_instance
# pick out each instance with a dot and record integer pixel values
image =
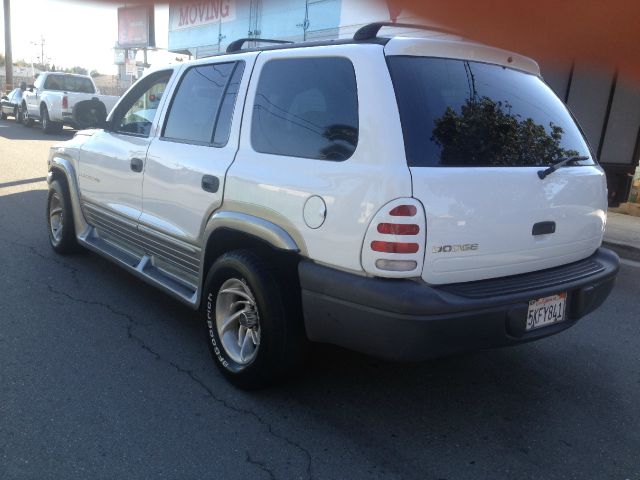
(102, 376)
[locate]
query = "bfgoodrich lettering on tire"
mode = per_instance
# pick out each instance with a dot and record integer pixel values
(252, 322)
(62, 235)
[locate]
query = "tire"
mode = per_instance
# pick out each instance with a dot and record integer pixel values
(27, 121)
(62, 232)
(47, 125)
(89, 114)
(3, 116)
(264, 342)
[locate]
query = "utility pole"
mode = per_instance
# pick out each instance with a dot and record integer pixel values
(41, 43)
(8, 57)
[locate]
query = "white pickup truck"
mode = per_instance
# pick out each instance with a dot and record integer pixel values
(57, 99)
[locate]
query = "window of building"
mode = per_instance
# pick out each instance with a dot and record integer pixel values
(306, 107)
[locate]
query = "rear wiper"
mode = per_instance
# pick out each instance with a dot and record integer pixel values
(545, 173)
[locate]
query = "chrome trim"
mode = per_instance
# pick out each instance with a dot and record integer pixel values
(180, 260)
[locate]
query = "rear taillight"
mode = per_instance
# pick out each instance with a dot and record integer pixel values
(404, 211)
(394, 243)
(65, 102)
(395, 247)
(398, 229)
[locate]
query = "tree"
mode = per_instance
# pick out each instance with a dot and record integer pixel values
(485, 132)
(94, 73)
(76, 69)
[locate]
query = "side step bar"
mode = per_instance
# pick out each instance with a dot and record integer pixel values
(142, 267)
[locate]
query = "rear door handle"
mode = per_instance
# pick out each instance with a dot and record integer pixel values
(543, 228)
(210, 183)
(137, 165)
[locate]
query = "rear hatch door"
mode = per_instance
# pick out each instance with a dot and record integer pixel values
(476, 136)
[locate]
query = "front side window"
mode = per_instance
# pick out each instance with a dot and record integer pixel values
(69, 83)
(141, 104)
(464, 113)
(306, 107)
(196, 104)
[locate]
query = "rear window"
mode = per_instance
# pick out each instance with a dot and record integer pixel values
(462, 113)
(68, 83)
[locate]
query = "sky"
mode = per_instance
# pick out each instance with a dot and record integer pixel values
(75, 32)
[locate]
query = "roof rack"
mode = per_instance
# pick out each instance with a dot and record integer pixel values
(237, 45)
(369, 32)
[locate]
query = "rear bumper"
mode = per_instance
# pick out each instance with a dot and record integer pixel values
(406, 320)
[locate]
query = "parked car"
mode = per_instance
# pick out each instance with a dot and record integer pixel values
(10, 104)
(405, 198)
(57, 99)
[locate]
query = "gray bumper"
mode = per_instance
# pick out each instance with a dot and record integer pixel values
(405, 320)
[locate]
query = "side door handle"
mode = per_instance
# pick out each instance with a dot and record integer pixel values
(210, 183)
(137, 165)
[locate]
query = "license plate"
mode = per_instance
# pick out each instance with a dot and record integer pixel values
(546, 311)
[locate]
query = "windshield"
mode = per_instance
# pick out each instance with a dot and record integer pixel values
(463, 113)
(69, 83)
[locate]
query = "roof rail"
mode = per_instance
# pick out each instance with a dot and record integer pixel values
(369, 32)
(237, 45)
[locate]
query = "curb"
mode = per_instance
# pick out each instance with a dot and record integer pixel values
(624, 250)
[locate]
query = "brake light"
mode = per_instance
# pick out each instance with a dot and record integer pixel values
(65, 102)
(394, 243)
(404, 211)
(395, 247)
(398, 229)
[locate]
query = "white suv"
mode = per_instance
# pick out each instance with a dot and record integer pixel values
(405, 198)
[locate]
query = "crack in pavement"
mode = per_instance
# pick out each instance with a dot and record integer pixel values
(132, 323)
(260, 465)
(73, 270)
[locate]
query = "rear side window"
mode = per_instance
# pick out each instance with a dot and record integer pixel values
(205, 96)
(306, 107)
(462, 113)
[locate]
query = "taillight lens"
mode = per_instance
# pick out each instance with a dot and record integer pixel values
(65, 102)
(404, 211)
(398, 229)
(394, 247)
